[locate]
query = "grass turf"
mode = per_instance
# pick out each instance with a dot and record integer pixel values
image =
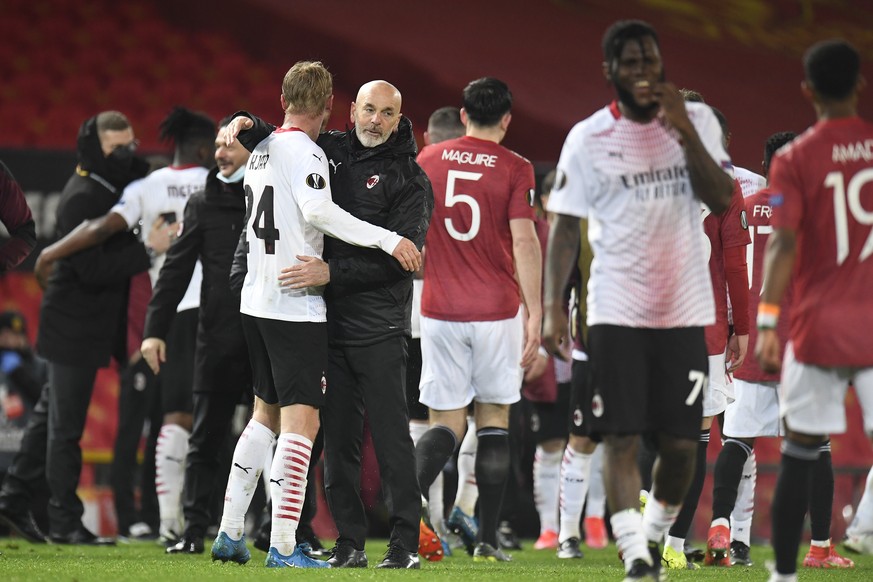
(24, 562)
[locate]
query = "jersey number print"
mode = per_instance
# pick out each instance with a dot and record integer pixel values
(267, 233)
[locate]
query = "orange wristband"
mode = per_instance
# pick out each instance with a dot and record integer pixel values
(768, 315)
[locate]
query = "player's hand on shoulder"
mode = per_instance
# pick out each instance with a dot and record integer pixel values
(236, 125)
(154, 350)
(309, 272)
(408, 254)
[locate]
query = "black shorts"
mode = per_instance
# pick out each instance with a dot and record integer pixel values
(177, 373)
(645, 380)
(289, 359)
(548, 420)
(417, 410)
(581, 378)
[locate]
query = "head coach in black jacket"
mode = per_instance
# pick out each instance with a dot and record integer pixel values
(83, 313)
(374, 177)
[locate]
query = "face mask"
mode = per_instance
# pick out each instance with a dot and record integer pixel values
(235, 177)
(123, 167)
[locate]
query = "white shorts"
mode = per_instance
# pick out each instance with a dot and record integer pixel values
(755, 412)
(812, 398)
(467, 360)
(718, 392)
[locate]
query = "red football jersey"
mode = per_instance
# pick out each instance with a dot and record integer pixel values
(822, 190)
(723, 231)
(758, 212)
(478, 186)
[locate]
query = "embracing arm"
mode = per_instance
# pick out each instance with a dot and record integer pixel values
(249, 129)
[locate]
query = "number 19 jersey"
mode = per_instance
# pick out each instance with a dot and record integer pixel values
(822, 185)
(479, 186)
(284, 171)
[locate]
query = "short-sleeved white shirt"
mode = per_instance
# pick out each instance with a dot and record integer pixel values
(631, 181)
(750, 182)
(164, 190)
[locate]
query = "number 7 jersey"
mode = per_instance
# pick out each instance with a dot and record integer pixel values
(478, 186)
(822, 186)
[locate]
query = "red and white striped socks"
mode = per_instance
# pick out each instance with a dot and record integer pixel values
(288, 489)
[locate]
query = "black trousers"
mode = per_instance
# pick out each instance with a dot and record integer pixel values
(69, 396)
(213, 412)
(373, 378)
(137, 400)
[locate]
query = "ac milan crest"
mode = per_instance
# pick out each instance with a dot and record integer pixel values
(597, 406)
(372, 181)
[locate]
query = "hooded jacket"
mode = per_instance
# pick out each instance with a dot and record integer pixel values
(212, 225)
(369, 297)
(83, 312)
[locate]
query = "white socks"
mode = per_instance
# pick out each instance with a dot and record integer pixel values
(596, 504)
(575, 477)
(288, 485)
(658, 518)
(862, 523)
(245, 470)
(468, 491)
(744, 507)
(170, 453)
(627, 527)
(546, 486)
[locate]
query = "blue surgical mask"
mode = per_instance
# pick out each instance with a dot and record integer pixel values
(235, 177)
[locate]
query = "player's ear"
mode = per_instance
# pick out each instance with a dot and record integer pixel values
(606, 74)
(282, 101)
(464, 117)
(861, 84)
(807, 90)
(504, 121)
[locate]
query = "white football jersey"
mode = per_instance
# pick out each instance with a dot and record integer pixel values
(749, 181)
(289, 207)
(162, 191)
(631, 181)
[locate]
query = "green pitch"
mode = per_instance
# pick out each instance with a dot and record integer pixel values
(24, 562)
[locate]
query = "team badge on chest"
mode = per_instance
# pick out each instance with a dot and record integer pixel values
(372, 181)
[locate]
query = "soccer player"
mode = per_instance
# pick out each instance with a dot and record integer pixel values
(755, 410)
(289, 208)
(821, 244)
(444, 123)
(755, 413)
(637, 170)
(483, 260)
